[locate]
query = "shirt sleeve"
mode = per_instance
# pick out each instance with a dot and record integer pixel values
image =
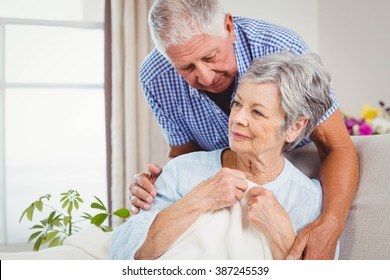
(130, 236)
(171, 124)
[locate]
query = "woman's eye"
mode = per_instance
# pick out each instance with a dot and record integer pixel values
(257, 113)
(235, 103)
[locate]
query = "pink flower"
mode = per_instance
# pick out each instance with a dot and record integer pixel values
(365, 129)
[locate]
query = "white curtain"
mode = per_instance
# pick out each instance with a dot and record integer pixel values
(136, 138)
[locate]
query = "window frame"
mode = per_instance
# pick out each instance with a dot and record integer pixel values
(4, 85)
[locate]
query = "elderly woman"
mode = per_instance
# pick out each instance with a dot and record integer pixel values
(246, 201)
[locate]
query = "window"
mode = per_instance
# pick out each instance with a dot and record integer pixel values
(52, 121)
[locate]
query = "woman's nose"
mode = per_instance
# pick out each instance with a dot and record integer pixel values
(239, 116)
(205, 75)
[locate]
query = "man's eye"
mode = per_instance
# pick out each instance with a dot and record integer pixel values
(186, 68)
(209, 58)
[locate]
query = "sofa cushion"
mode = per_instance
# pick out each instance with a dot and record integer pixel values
(366, 234)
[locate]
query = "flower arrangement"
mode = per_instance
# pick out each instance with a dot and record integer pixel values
(372, 121)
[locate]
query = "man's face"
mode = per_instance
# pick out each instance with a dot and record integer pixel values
(206, 62)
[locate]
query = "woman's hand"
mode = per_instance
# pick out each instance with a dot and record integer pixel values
(224, 189)
(269, 217)
(142, 189)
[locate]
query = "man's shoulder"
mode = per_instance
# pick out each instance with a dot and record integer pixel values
(153, 66)
(265, 33)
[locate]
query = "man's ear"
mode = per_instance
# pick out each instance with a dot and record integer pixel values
(294, 130)
(229, 27)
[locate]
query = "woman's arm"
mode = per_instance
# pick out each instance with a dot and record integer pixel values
(224, 189)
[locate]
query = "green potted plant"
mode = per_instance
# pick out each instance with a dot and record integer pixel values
(60, 224)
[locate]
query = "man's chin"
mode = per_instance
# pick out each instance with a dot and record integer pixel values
(218, 89)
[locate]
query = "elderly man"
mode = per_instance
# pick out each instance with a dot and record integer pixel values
(190, 80)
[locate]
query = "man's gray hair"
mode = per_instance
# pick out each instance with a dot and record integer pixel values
(175, 22)
(304, 85)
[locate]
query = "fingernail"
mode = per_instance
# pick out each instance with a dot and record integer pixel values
(146, 206)
(149, 199)
(290, 257)
(133, 209)
(132, 198)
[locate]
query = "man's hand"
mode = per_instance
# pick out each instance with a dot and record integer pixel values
(317, 241)
(142, 189)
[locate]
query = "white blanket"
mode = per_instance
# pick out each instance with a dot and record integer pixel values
(222, 234)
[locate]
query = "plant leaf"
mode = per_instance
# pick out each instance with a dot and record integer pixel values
(99, 219)
(76, 204)
(33, 236)
(70, 207)
(49, 236)
(123, 213)
(65, 203)
(47, 196)
(38, 204)
(30, 212)
(106, 228)
(101, 202)
(55, 242)
(37, 244)
(25, 212)
(98, 206)
(37, 226)
(86, 216)
(66, 220)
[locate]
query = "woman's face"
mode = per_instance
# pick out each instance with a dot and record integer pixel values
(256, 119)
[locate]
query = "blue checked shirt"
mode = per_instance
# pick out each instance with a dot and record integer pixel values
(186, 114)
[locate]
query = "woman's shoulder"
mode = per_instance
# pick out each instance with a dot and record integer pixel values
(297, 178)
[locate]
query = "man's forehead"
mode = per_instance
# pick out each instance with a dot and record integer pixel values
(194, 49)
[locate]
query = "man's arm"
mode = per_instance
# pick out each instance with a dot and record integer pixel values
(339, 175)
(175, 151)
(142, 188)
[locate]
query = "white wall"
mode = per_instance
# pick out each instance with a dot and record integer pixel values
(352, 37)
(298, 15)
(354, 45)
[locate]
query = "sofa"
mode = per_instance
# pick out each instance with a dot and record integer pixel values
(365, 237)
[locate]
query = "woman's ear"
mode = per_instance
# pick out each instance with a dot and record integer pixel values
(296, 129)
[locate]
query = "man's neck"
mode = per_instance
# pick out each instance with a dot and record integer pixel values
(222, 99)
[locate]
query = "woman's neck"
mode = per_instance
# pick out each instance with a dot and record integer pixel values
(259, 170)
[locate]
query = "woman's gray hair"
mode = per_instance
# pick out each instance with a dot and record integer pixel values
(175, 22)
(303, 82)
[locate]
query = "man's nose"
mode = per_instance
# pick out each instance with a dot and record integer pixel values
(205, 75)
